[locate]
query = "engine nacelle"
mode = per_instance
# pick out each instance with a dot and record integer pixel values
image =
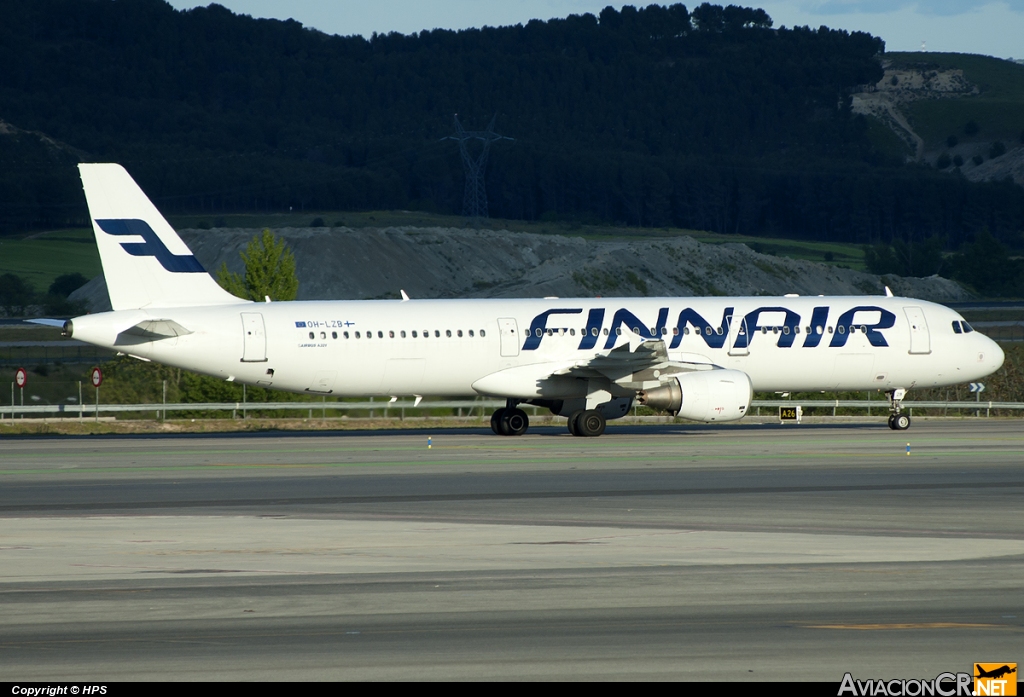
(705, 395)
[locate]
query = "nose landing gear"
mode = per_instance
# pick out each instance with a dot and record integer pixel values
(898, 421)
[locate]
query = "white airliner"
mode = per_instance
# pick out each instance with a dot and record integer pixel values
(586, 359)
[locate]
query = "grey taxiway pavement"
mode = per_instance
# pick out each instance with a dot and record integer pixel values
(680, 552)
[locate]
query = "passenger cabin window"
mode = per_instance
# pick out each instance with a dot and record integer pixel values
(334, 335)
(471, 333)
(312, 336)
(483, 333)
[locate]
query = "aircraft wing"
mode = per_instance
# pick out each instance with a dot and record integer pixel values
(637, 365)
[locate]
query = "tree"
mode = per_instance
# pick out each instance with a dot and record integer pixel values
(66, 284)
(269, 271)
(987, 265)
(15, 294)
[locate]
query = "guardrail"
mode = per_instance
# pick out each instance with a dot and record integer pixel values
(883, 405)
(398, 408)
(92, 410)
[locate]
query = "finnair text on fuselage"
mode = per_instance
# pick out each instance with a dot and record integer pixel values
(781, 321)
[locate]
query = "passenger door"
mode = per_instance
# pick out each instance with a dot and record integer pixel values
(255, 338)
(920, 339)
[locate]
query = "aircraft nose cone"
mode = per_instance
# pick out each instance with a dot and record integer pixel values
(991, 356)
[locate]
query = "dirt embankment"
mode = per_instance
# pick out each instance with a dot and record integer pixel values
(342, 263)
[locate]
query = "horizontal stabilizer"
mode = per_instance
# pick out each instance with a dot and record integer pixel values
(156, 329)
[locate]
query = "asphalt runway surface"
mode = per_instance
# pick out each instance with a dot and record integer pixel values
(746, 552)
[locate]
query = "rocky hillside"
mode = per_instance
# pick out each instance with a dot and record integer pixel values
(950, 117)
(342, 263)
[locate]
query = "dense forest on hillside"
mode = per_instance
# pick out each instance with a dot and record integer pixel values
(708, 119)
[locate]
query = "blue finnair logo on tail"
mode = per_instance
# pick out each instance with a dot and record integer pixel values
(151, 246)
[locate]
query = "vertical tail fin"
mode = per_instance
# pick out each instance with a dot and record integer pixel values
(144, 261)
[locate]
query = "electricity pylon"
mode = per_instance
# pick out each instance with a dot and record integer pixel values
(474, 200)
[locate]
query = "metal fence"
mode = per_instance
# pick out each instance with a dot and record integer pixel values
(399, 408)
(17, 353)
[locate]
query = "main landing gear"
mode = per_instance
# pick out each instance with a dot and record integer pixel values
(587, 423)
(898, 421)
(510, 420)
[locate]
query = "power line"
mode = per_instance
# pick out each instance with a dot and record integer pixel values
(474, 200)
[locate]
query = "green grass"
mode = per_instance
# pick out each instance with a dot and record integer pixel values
(998, 109)
(39, 259)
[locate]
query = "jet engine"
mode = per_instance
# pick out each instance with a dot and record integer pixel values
(706, 395)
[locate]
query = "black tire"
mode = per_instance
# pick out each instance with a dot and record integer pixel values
(591, 423)
(901, 422)
(574, 422)
(892, 417)
(514, 422)
(496, 421)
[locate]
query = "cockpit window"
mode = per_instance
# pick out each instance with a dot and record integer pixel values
(956, 327)
(967, 328)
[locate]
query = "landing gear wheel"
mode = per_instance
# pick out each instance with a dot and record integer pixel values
(514, 422)
(496, 421)
(590, 423)
(574, 419)
(891, 424)
(900, 422)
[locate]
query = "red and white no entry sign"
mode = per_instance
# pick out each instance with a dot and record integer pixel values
(97, 377)
(21, 377)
